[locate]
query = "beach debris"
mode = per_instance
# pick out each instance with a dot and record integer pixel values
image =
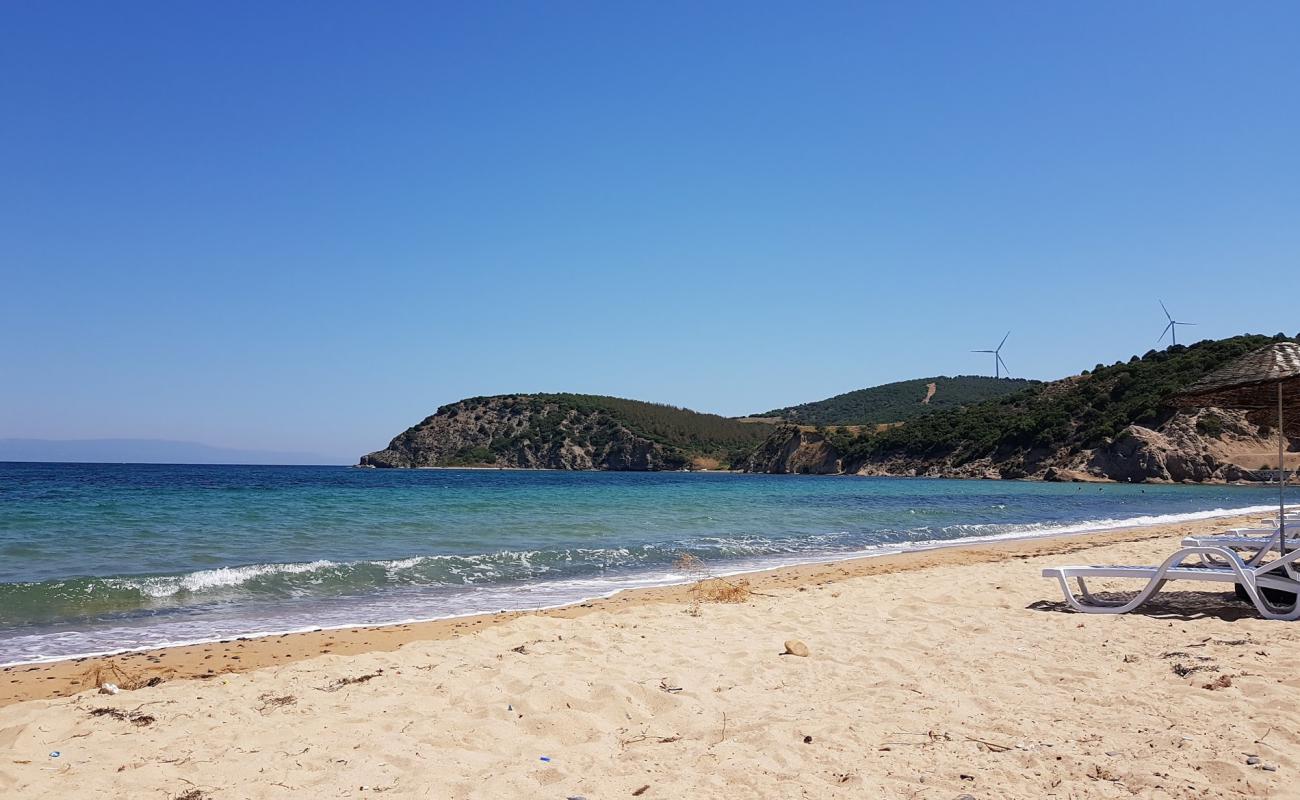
(641, 791)
(709, 587)
(646, 736)
(55, 754)
(109, 688)
(192, 794)
(134, 717)
(1182, 670)
(663, 685)
(794, 647)
(1227, 642)
(105, 673)
(721, 590)
(807, 740)
(270, 702)
(546, 759)
(521, 649)
(992, 746)
(1221, 682)
(351, 681)
(965, 797)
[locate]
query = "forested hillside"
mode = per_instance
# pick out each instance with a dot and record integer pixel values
(1077, 413)
(1119, 422)
(569, 431)
(900, 401)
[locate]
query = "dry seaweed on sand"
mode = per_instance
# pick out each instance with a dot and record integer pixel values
(102, 672)
(721, 590)
(271, 701)
(133, 717)
(342, 683)
(710, 588)
(1182, 670)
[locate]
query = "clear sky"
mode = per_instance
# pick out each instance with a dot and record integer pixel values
(304, 226)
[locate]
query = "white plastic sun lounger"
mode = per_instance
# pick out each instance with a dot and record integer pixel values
(1275, 574)
(1257, 542)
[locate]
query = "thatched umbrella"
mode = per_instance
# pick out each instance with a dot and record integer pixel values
(1262, 379)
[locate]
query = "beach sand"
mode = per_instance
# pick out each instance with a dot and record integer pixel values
(930, 675)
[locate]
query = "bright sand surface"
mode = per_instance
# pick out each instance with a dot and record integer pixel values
(930, 675)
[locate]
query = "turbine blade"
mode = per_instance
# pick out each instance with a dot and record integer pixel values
(1004, 340)
(1162, 306)
(982, 351)
(1005, 367)
(1165, 331)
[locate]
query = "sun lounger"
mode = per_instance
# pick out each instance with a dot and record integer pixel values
(1258, 542)
(1217, 565)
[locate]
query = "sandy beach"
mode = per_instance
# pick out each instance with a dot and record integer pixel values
(936, 674)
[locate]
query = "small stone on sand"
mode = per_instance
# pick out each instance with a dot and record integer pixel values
(794, 647)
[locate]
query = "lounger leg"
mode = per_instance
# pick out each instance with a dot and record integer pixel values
(1091, 604)
(1265, 607)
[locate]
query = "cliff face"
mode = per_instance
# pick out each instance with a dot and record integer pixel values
(790, 450)
(1187, 448)
(521, 431)
(1207, 445)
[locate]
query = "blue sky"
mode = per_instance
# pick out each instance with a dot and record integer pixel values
(304, 226)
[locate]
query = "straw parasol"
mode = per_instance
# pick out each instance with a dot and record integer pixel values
(1262, 379)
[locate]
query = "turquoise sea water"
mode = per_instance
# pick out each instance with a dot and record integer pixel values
(98, 557)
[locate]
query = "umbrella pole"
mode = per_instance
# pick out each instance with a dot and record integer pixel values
(1281, 478)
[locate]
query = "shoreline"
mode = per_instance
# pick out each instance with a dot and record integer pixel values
(210, 658)
(1082, 528)
(931, 674)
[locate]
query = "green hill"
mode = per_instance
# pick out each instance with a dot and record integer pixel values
(901, 401)
(1074, 414)
(569, 431)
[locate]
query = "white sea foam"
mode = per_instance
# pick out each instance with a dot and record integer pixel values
(209, 579)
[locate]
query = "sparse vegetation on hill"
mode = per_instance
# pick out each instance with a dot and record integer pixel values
(1116, 421)
(900, 401)
(1076, 413)
(569, 431)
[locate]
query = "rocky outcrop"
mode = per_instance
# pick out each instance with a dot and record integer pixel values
(791, 450)
(521, 431)
(1200, 446)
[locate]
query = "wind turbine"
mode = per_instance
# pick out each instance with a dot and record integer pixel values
(1172, 327)
(998, 363)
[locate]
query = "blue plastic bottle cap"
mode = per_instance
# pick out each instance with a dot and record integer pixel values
(54, 754)
(546, 758)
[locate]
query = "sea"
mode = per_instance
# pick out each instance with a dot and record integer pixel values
(102, 558)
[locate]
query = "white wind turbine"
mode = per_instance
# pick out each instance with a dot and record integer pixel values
(998, 363)
(1172, 327)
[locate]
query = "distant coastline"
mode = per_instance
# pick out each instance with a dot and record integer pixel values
(149, 451)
